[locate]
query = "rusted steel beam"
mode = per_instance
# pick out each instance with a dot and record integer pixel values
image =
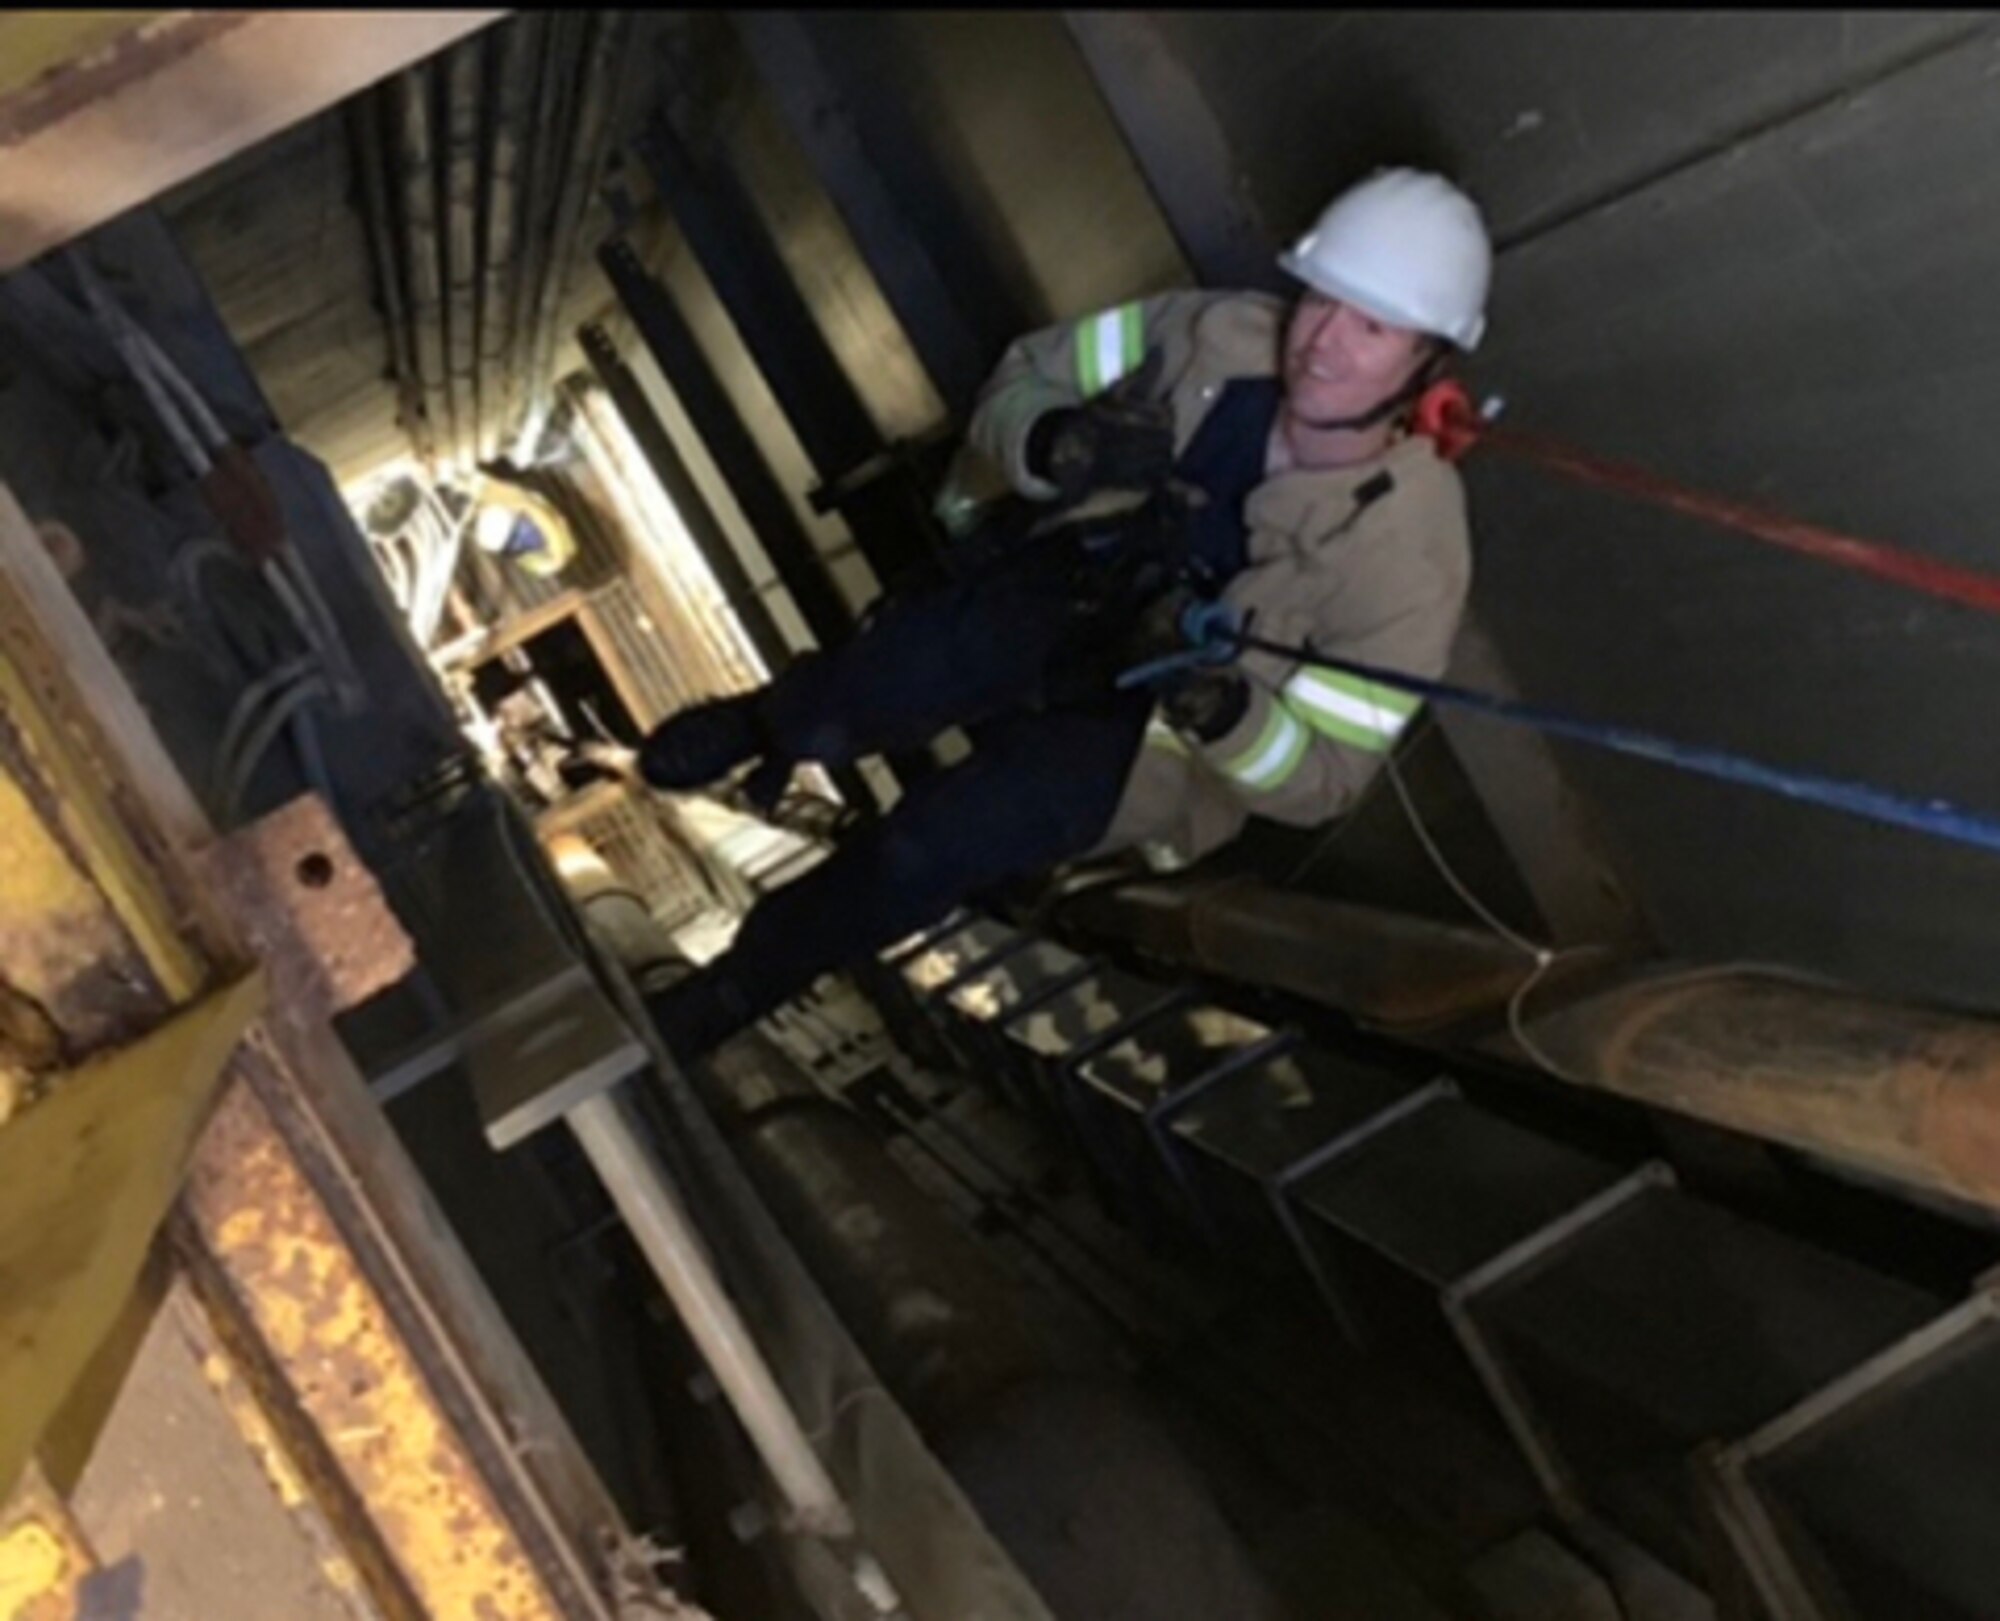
(357, 1411)
(119, 844)
(236, 1377)
(308, 911)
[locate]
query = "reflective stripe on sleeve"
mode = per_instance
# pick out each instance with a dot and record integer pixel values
(1108, 346)
(1350, 710)
(1269, 762)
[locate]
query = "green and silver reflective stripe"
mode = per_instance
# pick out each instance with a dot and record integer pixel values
(1269, 762)
(1350, 710)
(1108, 346)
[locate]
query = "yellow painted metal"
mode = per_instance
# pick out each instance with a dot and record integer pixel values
(59, 942)
(97, 849)
(85, 1177)
(62, 765)
(291, 1279)
(114, 862)
(44, 1557)
(235, 1392)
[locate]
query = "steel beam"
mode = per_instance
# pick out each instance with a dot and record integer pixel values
(770, 314)
(1179, 146)
(86, 1176)
(826, 413)
(368, 1275)
(101, 111)
(666, 333)
(348, 1391)
(670, 467)
(800, 82)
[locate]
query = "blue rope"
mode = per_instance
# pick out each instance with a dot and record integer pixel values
(1937, 817)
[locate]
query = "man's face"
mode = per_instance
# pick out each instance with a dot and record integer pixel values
(1340, 362)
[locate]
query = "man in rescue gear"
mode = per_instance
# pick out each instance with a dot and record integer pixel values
(1217, 460)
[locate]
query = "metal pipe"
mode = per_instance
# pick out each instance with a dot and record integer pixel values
(1062, 1463)
(946, 1329)
(639, 1186)
(555, 55)
(1389, 968)
(461, 71)
(417, 186)
(514, 79)
(371, 158)
(1910, 1094)
(589, 140)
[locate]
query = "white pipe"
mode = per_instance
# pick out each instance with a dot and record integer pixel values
(206, 423)
(639, 1186)
(127, 338)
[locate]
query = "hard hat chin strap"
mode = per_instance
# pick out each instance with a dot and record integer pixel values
(1425, 375)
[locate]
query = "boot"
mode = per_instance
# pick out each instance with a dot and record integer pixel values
(692, 749)
(699, 1012)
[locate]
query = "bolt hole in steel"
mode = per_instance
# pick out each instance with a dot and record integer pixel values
(315, 871)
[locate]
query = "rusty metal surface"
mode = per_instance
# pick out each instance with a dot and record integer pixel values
(31, 1049)
(99, 838)
(62, 945)
(267, 1256)
(46, 1564)
(83, 59)
(188, 1501)
(308, 910)
(1911, 1093)
(88, 769)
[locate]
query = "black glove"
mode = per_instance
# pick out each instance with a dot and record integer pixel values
(1121, 440)
(704, 743)
(1180, 629)
(1180, 646)
(1205, 704)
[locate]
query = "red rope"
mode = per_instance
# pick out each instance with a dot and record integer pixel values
(1451, 421)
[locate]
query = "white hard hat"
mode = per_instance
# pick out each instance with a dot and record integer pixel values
(1407, 247)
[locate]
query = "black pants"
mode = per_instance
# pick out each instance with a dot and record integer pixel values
(1040, 787)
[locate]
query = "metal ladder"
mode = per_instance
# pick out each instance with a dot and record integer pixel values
(1808, 1439)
